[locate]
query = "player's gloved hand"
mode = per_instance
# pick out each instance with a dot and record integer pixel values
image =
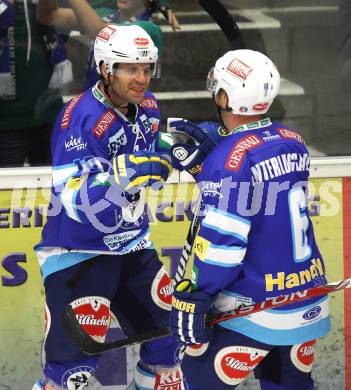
(188, 314)
(191, 145)
(214, 131)
(141, 169)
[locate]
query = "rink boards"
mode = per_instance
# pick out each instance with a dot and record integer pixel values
(24, 198)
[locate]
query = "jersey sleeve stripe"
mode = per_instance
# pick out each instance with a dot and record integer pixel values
(60, 174)
(226, 223)
(69, 199)
(283, 327)
(229, 257)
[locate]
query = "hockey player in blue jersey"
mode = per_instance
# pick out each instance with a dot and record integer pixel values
(95, 252)
(255, 239)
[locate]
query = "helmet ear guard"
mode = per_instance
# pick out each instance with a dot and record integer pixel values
(249, 78)
(125, 44)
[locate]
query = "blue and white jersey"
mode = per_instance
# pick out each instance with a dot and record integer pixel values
(88, 214)
(256, 238)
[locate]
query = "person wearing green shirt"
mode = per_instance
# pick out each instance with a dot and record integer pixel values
(27, 107)
(91, 17)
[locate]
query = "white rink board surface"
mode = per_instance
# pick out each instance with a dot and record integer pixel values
(34, 177)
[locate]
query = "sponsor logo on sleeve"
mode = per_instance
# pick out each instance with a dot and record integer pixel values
(104, 123)
(239, 69)
(149, 103)
(212, 189)
(72, 143)
(239, 150)
(66, 119)
(285, 133)
(302, 355)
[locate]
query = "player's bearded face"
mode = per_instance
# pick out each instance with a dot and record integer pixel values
(129, 82)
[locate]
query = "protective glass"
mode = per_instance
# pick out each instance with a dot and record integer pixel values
(153, 70)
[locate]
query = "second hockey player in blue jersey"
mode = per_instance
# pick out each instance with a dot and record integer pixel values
(255, 240)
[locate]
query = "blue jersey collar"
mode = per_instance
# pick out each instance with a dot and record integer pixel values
(252, 125)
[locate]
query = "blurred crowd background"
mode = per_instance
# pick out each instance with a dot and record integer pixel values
(46, 58)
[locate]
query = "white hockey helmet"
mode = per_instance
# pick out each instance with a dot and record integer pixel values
(249, 78)
(124, 44)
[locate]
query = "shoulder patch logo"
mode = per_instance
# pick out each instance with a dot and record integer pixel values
(66, 119)
(104, 123)
(149, 103)
(239, 151)
(285, 133)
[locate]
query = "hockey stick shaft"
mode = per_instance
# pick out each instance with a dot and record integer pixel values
(281, 300)
(225, 21)
(92, 347)
(189, 242)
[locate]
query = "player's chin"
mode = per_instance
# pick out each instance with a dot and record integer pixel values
(136, 96)
(122, 4)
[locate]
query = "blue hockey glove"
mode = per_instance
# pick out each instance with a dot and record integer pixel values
(214, 131)
(188, 314)
(7, 15)
(141, 169)
(191, 145)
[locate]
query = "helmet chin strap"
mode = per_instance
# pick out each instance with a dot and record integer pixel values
(219, 112)
(219, 115)
(106, 86)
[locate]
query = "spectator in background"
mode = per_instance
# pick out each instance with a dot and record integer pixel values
(82, 16)
(31, 59)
